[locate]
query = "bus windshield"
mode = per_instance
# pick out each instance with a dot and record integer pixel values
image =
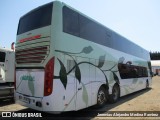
(37, 18)
(2, 56)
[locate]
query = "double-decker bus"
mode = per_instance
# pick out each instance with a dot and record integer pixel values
(66, 61)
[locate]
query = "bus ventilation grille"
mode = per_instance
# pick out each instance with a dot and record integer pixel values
(31, 55)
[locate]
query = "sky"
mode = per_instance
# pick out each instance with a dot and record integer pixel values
(136, 20)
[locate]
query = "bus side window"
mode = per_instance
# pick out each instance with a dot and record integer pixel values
(70, 21)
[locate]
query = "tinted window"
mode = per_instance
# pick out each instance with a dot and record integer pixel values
(130, 71)
(70, 21)
(2, 56)
(81, 26)
(78, 25)
(92, 31)
(38, 18)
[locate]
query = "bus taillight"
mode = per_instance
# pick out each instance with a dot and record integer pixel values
(48, 80)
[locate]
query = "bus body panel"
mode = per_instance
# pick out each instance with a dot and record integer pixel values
(10, 66)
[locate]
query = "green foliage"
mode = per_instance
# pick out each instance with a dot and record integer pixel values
(155, 55)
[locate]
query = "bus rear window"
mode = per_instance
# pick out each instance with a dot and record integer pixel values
(37, 18)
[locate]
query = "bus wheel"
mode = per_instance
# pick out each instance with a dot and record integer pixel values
(115, 94)
(101, 97)
(147, 84)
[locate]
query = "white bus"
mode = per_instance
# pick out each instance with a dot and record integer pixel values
(66, 61)
(7, 69)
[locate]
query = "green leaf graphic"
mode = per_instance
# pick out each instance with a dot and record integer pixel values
(87, 50)
(78, 73)
(115, 77)
(63, 74)
(85, 95)
(31, 86)
(101, 61)
(121, 60)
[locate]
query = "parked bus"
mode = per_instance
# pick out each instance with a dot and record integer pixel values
(7, 69)
(66, 61)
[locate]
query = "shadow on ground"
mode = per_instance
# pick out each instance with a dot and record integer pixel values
(8, 101)
(90, 112)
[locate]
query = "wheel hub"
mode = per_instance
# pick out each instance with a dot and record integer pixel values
(101, 97)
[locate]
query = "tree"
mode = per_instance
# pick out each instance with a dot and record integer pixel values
(155, 55)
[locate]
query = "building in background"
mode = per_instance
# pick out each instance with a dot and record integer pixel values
(155, 67)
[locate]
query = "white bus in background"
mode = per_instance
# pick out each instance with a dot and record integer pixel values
(155, 67)
(7, 70)
(66, 61)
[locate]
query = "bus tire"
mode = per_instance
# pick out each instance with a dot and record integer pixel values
(147, 84)
(101, 97)
(115, 94)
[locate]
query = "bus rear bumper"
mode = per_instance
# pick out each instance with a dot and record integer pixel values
(31, 102)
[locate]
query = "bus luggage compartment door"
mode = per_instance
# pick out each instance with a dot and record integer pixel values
(30, 82)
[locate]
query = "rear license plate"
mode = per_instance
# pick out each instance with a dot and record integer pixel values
(26, 100)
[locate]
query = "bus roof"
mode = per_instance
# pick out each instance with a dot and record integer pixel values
(6, 49)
